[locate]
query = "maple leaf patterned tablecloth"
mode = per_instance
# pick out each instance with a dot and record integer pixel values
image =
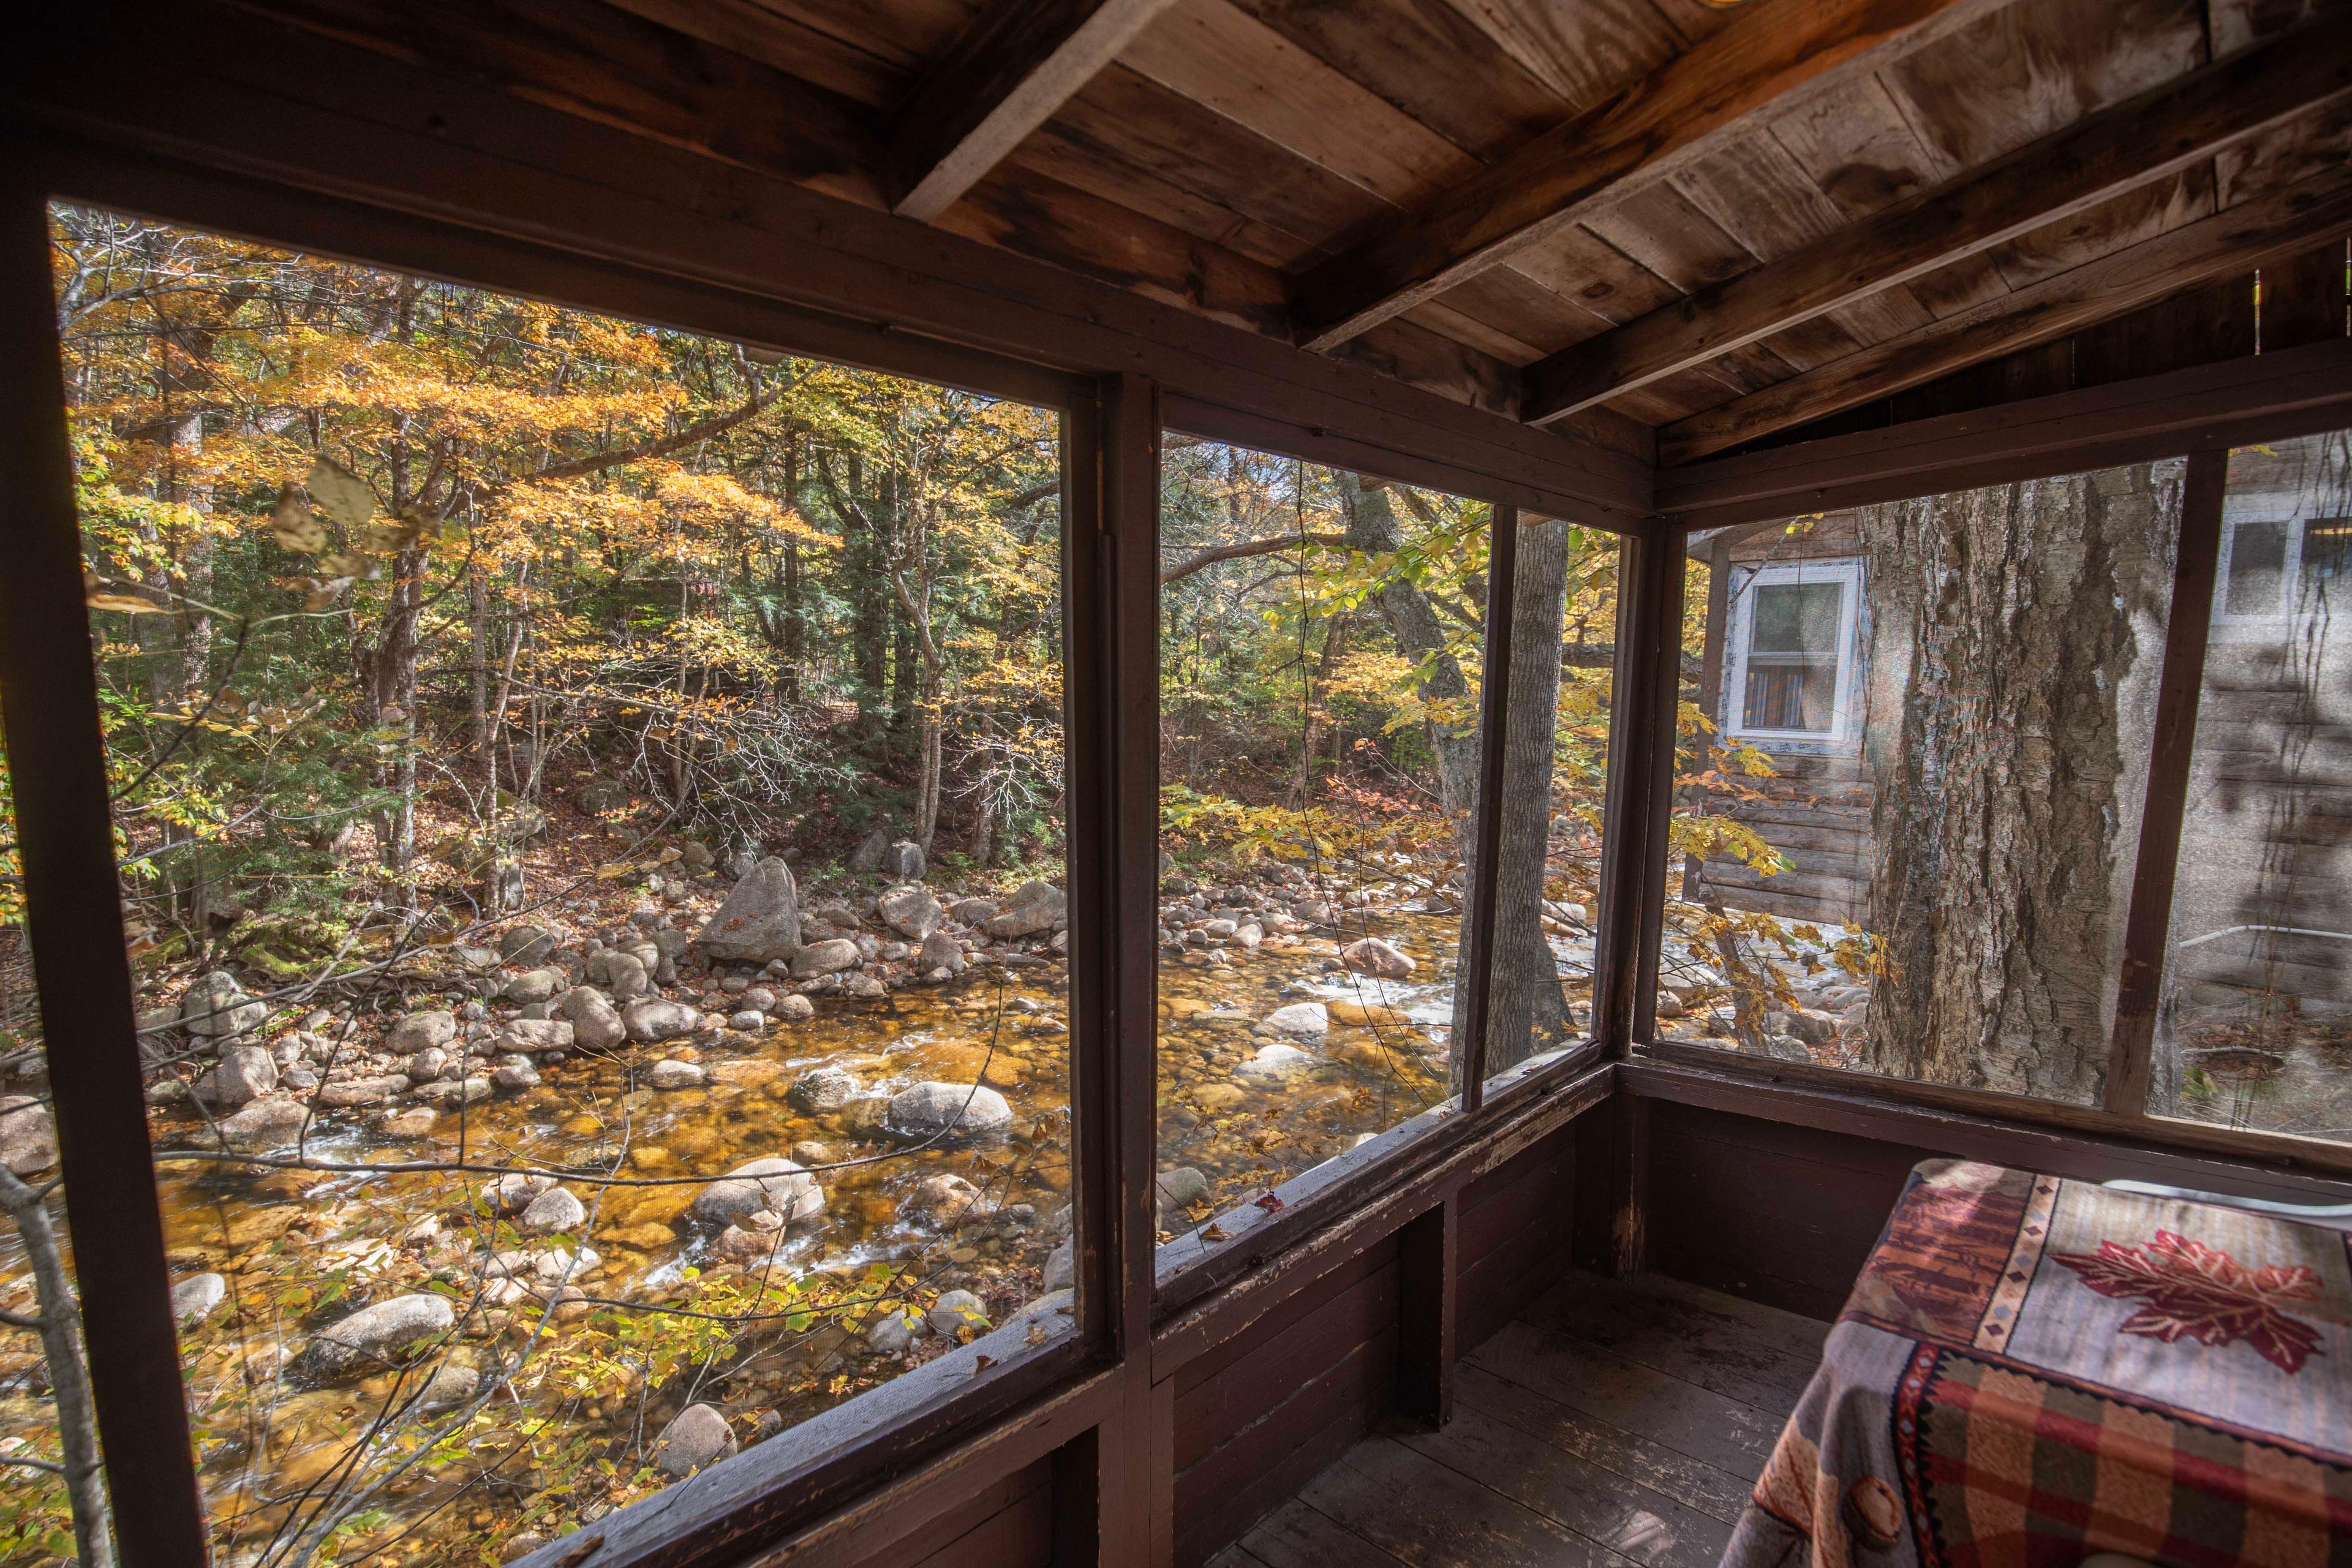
(2031, 1370)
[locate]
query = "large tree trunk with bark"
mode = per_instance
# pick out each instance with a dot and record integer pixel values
(2016, 636)
(1526, 1012)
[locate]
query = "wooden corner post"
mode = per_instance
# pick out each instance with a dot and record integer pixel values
(57, 760)
(1113, 701)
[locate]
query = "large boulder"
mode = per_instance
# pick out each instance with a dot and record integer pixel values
(412, 1034)
(760, 919)
(871, 851)
(926, 1110)
(903, 861)
(195, 1298)
(942, 1202)
(215, 1004)
(1301, 1020)
(651, 1021)
(377, 1334)
(526, 944)
(535, 985)
(554, 1209)
(269, 1122)
(698, 1436)
(939, 952)
(823, 1091)
(528, 1036)
(28, 1138)
(911, 912)
(1034, 906)
(780, 1187)
(1370, 955)
(826, 958)
(246, 1073)
(596, 1024)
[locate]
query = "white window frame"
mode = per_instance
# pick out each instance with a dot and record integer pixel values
(1847, 573)
(2260, 506)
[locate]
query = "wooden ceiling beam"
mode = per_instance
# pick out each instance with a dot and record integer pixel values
(1774, 55)
(2212, 248)
(2159, 133)
(1010, 73)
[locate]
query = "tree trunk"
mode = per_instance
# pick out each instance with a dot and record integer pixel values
(1420, 636)
(1526, 1012)
(61, 1329)
(2015, 639)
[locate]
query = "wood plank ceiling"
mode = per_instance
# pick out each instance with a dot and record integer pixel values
(1711, 219)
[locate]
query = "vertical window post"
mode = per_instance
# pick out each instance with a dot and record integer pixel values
(74, 916)
(1113, 701)
(2139, 988)
(1641, 786)
(1476, 968)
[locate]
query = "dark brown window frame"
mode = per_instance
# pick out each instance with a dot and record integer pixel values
(1088, 1399)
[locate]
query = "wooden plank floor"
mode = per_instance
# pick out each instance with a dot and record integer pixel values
(1614, 1421)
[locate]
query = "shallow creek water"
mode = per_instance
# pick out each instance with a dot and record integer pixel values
(301, 1248)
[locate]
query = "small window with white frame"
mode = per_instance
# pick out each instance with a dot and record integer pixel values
(1790, 664)
(2277, 565)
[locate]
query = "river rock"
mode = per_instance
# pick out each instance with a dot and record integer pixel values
(972, 911)
(903, 861)
(780, 1186)
(215, 1004)
(29, 1136)
(927, 1109)
(1313, 911)
(698, 1436)
(674, 1075)
(377, 1333)
(625, 974)
(1370, 955)
(514, 1077)
(651, 1021)
(451, 1093)
(427, 1065)
(371, 1089)
(528, 1036)
(526, 944)
(826, 958)
(749, 1021)
(863, 987)
(1276, 1061)
(596, 1024)
(1304, 1020)
(269, 1122)
(513, 1193)
(449, 1386)
(940, 950)
(1178, 1188)
(759, 921)
(896, 1331)
(246, 1073)
(1032, 907)
(794, 1009)
(911, 912)
(535, 985)
(554, 1209)
(823, 1091)
(418, 1030)
(1814, 1026)
(416, 1122)
(942, 1202)
(957, 1310)
(1061, 1267)
(196, 1297)
(871, 849)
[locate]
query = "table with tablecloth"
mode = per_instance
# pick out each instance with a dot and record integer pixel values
(2031, 1370)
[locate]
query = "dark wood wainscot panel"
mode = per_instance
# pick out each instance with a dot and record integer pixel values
(1780, 1214)
(1008, 1523)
